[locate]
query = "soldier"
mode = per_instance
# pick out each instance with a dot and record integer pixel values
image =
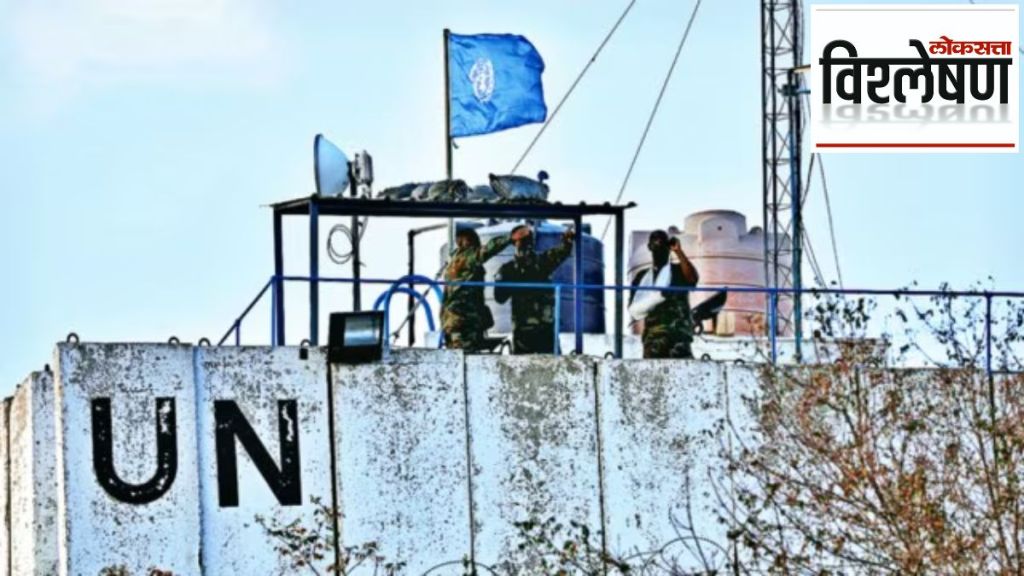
(464, 315)
(668, 323)
(532, 309)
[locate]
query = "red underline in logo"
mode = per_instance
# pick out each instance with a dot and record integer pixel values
(916, 145)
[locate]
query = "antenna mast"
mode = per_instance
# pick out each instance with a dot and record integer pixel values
(781, 53)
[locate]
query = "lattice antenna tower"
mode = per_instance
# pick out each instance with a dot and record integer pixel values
(781, 53)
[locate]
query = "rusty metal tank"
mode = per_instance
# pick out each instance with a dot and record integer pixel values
(725, 253)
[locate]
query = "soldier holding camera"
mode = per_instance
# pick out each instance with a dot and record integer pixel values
(668, 323)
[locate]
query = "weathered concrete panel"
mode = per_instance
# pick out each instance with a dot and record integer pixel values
(660, 431)
(139, 387)
(401, 441)
(33, 482)
(5, 492)
(742, 384)
(534, 448)
(261, 382)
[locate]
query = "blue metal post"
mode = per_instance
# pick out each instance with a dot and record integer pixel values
(577, 297)
(772, 321)
(619, 269)
(277, 309)
(795, 188)
(558, 318)
(238, 333)
(988, 333)
(314, 273)
(275, 332)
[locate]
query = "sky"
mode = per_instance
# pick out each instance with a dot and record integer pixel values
(140, 142)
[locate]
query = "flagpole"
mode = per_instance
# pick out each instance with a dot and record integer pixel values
(448, 135)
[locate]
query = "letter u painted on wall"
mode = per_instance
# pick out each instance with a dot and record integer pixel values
(284, 480)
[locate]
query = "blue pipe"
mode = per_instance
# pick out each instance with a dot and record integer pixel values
(558, 318)
(381, 300)
(396, 286)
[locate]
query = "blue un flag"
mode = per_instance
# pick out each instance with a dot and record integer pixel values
(494, 83)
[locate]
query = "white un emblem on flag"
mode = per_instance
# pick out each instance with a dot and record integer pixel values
(482, 77)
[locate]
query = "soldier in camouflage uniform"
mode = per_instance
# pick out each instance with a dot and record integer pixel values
(533, 324)
(668, 327)
(464, 315)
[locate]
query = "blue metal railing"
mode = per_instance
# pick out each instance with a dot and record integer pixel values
(772, 294)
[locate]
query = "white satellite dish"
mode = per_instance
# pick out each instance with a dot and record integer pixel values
(330, 168)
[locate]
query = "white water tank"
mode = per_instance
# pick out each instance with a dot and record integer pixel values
(725, 253)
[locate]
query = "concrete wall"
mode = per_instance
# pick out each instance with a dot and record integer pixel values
(5, 491)
(33, 484)
(401, 451)
(146, 514)
(275, 390)
(436, 455)
(534, 449)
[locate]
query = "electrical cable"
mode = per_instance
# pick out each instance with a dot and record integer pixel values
(335, 255)
(828, 203)
(819, 278)
(807, 181)
(654, 112)
(573, 86)
(831, 225)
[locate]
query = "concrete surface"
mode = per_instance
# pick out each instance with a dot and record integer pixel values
(258, 380)
(401, 447)
(33, 484)
(98, 531)
(435, 456)
(5, 492)
(534, 448)
(660, 440)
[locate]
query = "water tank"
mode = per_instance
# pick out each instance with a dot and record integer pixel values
(725, 253)
(548, 236)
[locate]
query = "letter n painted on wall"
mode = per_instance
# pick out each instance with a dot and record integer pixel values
(284, 480)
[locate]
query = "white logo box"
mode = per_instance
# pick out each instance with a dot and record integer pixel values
(884, 31)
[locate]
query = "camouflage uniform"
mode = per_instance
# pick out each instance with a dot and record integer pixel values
(464, 315)
(533, 322)
(668, 327)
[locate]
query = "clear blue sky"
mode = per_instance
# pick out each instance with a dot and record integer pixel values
(138, 141)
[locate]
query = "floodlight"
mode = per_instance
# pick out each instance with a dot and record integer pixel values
(355, 337)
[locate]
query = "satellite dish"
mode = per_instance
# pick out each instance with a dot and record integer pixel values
(330, 167)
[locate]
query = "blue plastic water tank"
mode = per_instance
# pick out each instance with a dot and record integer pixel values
(548, 236)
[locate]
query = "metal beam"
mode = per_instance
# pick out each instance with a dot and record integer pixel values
(278, 288)
(314, 273)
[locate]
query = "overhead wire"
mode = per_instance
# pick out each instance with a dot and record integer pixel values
(828, 204)
(654, 111)
(819, 278)
(831, 225)
(575, 83)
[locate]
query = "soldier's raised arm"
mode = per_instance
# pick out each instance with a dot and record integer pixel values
(689, 271)
(554, 257)
(494, 247)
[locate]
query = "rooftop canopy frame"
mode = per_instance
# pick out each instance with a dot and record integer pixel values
(316, 206)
